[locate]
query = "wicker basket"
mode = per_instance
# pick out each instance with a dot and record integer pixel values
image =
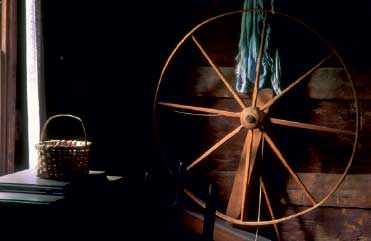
(62, 159)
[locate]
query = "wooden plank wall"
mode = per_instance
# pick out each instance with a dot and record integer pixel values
(319, 158)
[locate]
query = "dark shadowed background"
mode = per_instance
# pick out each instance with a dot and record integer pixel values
(103, 60)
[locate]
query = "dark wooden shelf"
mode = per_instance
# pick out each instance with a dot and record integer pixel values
(26, 188)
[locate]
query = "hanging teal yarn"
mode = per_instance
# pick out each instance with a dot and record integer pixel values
(248, 51)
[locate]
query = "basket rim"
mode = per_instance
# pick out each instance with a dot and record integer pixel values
(43, 144)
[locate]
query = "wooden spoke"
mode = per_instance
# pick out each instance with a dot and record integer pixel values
(202, 109)
(268, 202)
(246, 173)
(287, 166)
(234, 203)
(259, 63)
(219, 73)
(292, 85)
(254, 150)
(250, 158)
(215, 146)
(309, 126)
(251, 146)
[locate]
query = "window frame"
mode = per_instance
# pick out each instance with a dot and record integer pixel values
(8, 69)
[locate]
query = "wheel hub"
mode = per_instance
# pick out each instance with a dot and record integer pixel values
(251, 117)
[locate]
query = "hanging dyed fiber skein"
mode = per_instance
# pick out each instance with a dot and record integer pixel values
(248, 51)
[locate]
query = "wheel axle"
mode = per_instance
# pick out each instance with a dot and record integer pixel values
(251, 117)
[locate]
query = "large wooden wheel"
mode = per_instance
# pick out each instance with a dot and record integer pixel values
(255, 118)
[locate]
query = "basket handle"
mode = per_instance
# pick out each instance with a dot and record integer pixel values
(42, 136)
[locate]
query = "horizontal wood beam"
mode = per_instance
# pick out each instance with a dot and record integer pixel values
(354, 192)
(324, 83)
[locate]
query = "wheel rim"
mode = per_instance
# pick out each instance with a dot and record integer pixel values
(188, 36)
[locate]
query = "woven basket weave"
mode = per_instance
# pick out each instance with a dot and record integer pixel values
(62, 159)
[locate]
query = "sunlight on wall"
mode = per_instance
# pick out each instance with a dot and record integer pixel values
(32, 60)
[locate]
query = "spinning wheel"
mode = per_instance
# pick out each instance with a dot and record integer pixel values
(255, 118)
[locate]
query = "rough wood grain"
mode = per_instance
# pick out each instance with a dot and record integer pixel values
(316, 152)
(8, 91)
(354, 192)
(290, 170)
(319, 157)
(333, 83)
(207, 83)
(220, 74)
(335, 224)
(329, 83)
(324, 83)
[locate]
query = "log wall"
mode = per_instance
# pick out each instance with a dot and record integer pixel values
(318, 158)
